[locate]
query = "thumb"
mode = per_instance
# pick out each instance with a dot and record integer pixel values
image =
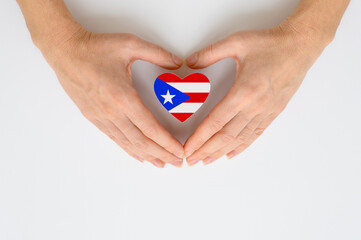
(213, 53)
(157, 55)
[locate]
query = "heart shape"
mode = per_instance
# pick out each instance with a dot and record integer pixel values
(220, 75)
(182, 97)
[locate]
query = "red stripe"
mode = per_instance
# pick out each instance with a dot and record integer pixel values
(197, 97)
(195, 77)
(182, 116)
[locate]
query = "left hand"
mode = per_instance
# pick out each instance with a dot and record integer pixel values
(271, 65)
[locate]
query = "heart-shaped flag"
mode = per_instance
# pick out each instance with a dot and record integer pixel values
(182, 97)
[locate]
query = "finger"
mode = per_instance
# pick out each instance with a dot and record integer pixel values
(241, 137)
(225, 136)
(113, 132)
(258, 132)
(157, 162)
(145, 121)
(124, 143)
(242, 146)
(233, 145)
(214, 52)
(144, 144)
(232, 104)
(118, 137)
(157, 55)
(247, 131)
(121, 140)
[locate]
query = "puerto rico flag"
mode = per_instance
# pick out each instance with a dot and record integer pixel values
(182, 97)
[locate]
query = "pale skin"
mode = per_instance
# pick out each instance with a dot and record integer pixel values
(94, 70)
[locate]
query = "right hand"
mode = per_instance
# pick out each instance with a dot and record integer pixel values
(94, 70)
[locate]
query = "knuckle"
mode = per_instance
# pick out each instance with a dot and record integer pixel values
(259, 131)
(233, 106)
(209, 50)
(130, 39)
(244, 135)
(141, 144)
(124, 141)
(110, 96)
(161, 52)
(233, 40)
(241, 138)
(108, 112)
(215, 123)
(265, 100)
(256, 88)
(251, 90)
(149, 131)
(115, 95)
(227, 137)
(247, 131)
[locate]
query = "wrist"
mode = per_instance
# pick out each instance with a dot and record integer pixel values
(315, 21)
(61, 35)
(52, 27)
(308, 33)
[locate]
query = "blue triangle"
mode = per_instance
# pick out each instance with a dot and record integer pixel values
(161, 88)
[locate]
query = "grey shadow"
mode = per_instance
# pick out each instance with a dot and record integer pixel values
(221, 74)
(258, 19)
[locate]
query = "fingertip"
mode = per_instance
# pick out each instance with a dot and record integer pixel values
(192, 59)
(231, 154)
(177, 60)
(158, 163)
(192, 162)
(188, 152)
(208, 160)
(188, 149)
(179, 154)
(139, 158)
(178, 164)
(178, 150)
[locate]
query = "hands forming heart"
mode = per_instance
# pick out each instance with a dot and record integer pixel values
(94, 70)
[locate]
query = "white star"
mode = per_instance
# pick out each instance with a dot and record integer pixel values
(168, 97)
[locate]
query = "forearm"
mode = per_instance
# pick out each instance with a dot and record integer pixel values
(317, 20)
(49, 22)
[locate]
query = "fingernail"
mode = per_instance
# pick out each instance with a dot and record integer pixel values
(177, 60)
(158, 163)
(192, 59)
(192, 162)
(179, 154)
(139, 158)
(177, 163)
(208, 160)
(231, 154)
(189, 152)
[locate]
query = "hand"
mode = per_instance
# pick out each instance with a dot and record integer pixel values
(271, 65)
(94, 70)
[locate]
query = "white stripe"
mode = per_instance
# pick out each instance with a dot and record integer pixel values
(186, 108)
(191, 87)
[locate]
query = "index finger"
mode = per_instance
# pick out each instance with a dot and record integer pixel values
(141, 117)
(223, 112)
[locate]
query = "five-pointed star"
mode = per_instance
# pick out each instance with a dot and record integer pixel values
(168, 97)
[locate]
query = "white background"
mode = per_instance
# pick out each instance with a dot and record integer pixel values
(61, 178)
